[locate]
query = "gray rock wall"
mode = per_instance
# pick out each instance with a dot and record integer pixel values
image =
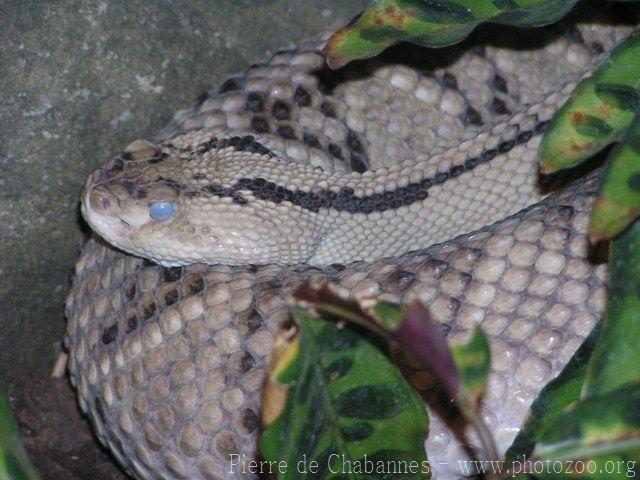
(78, 81)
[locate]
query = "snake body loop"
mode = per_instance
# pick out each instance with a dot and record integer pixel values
(371, 178)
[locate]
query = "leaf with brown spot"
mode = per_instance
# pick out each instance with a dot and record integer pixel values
(461, 370)
(598, 112)
(343, 396)
(598, 431)
(618, 202)
(433, 23)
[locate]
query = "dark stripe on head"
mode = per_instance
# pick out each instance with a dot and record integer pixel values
(246, 143)
(302, 97)
(175, 186)
(346, 200)
(158, 158)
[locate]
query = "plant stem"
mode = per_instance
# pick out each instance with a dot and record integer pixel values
(488, 443)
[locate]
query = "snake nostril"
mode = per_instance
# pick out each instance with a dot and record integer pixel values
(100, 202)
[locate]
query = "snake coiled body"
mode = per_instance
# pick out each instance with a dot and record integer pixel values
(291, 173)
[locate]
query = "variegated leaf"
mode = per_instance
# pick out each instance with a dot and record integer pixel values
(347, 402)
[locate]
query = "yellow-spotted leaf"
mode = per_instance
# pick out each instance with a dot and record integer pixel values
(433, 23)
(461, 370)
(283, 370)
(411, 327)
(345, 405)
(599, 111)
(617, 353)
(618, 203)
(473, 362)
(600, 435)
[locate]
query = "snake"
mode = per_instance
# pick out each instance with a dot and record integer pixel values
(409, 176)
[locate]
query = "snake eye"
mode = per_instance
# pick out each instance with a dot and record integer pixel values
(161, 210)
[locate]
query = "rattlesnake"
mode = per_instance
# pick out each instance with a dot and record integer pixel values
(292, 172)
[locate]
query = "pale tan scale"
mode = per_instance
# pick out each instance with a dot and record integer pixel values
(169, 360)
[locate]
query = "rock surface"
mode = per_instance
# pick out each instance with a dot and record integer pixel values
(80, 80)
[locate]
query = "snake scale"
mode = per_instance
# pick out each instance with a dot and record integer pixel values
(398, 178)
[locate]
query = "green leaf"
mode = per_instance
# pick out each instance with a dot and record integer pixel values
(433, 23)
(473, 361)
(601, 108)
(618, 203)
(14, 463)
(553, 399)
(346, 403)
(615, 358)
(411, 328)
(599, 431)
(461, 370)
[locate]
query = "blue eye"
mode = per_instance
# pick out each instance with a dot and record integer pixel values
(161, 210)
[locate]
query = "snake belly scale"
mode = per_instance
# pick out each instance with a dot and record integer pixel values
(371, 178)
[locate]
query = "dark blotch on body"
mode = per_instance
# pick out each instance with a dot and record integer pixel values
(171, 274)
(449, 80)
(311, 140)
(171, 297)
(280, 110)
(250, 421)
(149, 310)
(499, 83)
(247, 362)
(328, 109)
(472, 117)
(504, 147)
(259, 124)
(524, 137)
(358, 163)
(499, 107)
(109, 334)
(335, 151)
(541, 127)
(131, 323)
(287, 132)
(302, 97)
(255, 102)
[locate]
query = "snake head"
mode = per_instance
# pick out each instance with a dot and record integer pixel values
(188, 200)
